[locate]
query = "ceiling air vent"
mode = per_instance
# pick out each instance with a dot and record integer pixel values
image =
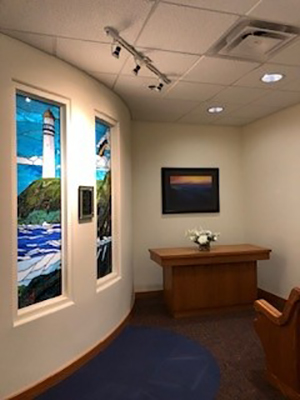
(254, 40)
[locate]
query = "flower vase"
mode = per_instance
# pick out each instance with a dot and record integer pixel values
(204, 247)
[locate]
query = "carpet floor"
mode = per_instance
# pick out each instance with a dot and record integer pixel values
(229, 337)
(226, 343)
(144, 363)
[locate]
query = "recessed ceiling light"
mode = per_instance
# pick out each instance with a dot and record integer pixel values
(271, 78)
(215, 109)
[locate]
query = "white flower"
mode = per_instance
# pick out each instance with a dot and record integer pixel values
(202, 236)
(203, 239)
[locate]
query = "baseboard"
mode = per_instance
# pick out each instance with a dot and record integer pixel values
(42, 386)
(271, 298)
(275, 300)
(153, 294)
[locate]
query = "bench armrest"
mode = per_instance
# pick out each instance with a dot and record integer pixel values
(265, 308)
(278, 318)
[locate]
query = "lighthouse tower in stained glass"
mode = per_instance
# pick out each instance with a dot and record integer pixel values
(48, 145)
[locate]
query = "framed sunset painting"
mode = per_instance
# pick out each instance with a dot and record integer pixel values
(190, 190)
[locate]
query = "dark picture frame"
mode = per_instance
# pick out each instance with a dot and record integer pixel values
(190, 190)
(85, 203)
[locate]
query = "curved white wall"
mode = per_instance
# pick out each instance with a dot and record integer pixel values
(33, 350)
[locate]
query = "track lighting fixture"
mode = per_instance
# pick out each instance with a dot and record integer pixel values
(140, 58)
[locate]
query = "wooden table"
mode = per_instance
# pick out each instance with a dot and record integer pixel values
(197, 281)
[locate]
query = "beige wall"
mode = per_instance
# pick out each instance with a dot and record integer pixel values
(169, 145)
(259, 192)
(49, 339)
(271, 160)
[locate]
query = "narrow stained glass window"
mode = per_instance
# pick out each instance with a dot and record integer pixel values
(103, 190)
(39, 200)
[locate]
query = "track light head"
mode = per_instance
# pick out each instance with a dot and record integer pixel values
(116, 52)
(156, 88)
(159, 86)
(136, 70)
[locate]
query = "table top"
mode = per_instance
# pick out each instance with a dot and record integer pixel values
(217, 254)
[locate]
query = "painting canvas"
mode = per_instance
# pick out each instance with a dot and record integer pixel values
(190, 190)
(39, 233)
(103, 198)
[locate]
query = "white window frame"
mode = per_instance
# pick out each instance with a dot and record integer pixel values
(115, 275)
(31, 312)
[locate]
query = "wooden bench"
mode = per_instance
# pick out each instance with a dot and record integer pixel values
(279, 333)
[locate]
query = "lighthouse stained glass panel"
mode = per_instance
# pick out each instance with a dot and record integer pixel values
(39, 200)
(103, 190)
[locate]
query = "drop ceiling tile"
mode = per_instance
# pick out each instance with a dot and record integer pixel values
(253, 78)
(289, 55)
(184, 29)
(239, 95)
(160, 116)
(254, 112)
(107, 79)
(193, 91)
(293, 86)
(284, 11)
(234, 6)
(42, 42)
(90, 56)
(128, 86)
(169, 63)
(166, 110)
(279, 99)
(75, 18)
(199, 119)
(196, 120)
(232, 121)
(201, 115)
(219, 71)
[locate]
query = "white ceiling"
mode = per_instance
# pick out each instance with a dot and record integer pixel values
(177, 35)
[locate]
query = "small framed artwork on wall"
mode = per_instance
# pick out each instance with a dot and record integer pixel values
(190, 190)
(85, 203)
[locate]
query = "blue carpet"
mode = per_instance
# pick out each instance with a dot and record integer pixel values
(143, 364)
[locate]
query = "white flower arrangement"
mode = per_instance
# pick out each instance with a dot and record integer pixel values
(202, 237)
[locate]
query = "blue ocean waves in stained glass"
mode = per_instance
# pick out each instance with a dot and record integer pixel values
(35, 242)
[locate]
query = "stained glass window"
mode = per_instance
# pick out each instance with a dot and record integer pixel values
(103, 193)
(39, 200)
